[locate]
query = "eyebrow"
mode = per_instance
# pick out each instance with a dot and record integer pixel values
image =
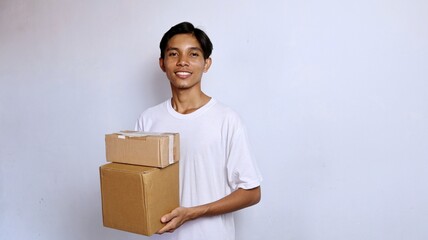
(177, 49)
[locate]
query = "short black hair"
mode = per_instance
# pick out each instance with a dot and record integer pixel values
(187, 28)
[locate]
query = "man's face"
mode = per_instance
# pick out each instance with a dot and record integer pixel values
(184, 62)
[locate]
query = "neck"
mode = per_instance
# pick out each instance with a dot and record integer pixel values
(186, 102)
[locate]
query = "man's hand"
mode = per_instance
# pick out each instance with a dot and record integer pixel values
(174, 219)
(241, 198)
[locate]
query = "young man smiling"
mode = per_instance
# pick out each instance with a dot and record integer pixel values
(217, 172)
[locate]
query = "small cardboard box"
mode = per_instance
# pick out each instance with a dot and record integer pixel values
(141, 148)
(134, 198)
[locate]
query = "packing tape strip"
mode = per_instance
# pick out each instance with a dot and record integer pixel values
(139, 134)
(171, 148)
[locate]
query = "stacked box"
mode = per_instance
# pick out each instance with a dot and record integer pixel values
(140, 185)
(141, 148)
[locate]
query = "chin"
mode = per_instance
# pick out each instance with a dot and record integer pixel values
(180, 86)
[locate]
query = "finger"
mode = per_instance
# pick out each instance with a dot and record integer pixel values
(163, 230)
(166, 228)
(166, 218)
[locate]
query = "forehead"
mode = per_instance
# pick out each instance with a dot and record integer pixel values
(183, 41)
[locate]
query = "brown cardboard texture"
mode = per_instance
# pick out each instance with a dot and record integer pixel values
(134, 198)
(145, 149)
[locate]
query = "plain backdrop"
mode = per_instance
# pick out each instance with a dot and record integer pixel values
(334, 94)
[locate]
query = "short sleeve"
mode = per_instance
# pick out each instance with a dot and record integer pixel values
(242, 169)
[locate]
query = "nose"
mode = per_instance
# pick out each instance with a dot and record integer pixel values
(182, 61)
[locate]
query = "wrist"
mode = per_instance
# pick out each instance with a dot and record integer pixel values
(198, 211)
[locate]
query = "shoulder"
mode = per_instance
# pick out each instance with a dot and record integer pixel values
(227, 113)
(155, 110)
(151, 115)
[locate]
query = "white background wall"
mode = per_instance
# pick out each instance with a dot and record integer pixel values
(334, 94)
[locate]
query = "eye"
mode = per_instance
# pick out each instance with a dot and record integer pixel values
(172, 54)
(194, 54)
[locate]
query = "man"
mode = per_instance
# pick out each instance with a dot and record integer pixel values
(217, 172)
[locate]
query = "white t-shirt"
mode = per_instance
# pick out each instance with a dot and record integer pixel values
(215, 160)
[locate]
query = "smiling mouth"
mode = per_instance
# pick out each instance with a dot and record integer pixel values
(183, 74)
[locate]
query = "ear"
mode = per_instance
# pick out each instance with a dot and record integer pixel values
(162, 64)
(207, 66)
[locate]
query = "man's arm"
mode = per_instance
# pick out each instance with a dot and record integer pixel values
(241, 198)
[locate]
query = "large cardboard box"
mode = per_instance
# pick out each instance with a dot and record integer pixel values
(134, 198)
(141, 148)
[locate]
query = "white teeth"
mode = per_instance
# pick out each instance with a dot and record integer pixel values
(183, 73)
